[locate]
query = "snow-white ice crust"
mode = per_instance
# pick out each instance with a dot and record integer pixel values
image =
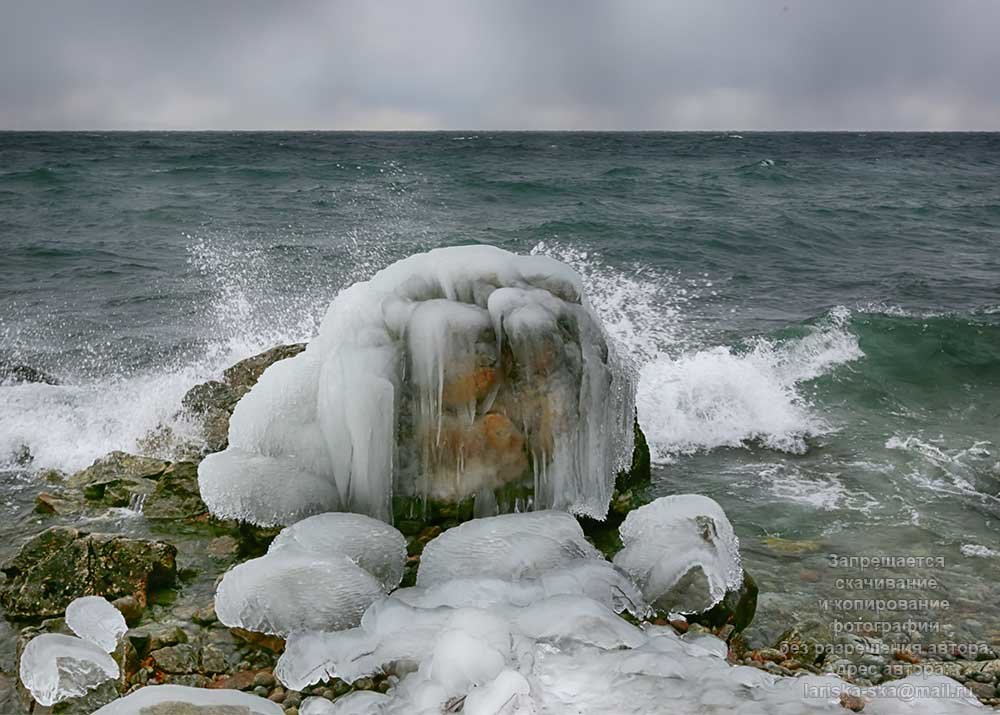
(449, 374)
(94, 619)
(682, 552)
(154, 699)
(520, 637)
(56, 667)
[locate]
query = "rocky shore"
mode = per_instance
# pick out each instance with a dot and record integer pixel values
(160, 570)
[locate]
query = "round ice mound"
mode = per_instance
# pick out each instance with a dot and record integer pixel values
(462, 372)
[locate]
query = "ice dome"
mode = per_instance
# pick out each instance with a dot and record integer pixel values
(682, 552)
(461, 372)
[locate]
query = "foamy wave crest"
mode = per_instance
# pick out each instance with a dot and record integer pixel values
(724, 397)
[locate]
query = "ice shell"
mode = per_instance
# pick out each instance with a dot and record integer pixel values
(288, 590)
(56, 667)
(94, 619)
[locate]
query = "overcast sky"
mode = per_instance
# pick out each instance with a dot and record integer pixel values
(503, 64)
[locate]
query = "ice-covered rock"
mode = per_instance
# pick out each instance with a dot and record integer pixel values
(183, 700)
(289, 590)
(449, 374)
(372, 544)
(56, 667)
(509, 546)
(682, 552)
(94, 619)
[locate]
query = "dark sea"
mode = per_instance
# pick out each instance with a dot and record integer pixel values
(815, 318)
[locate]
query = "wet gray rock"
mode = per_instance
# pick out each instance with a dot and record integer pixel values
(175, 659)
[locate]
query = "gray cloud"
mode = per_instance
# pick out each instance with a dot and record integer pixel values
(509, 64)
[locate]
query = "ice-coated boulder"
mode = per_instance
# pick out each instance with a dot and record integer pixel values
(682, 552)
(56, 667)
(94, 619)
(183, 700)
(372, 544)
(508, 546)
(289, 590)
(450, 374)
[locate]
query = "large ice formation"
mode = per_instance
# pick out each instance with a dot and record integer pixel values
(460, 372)
(94, 619)
(319, 574)
(682, 552)
(156, 699)
(56, 667)
(494, 636)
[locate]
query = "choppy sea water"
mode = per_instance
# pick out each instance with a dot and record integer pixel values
(815, 318)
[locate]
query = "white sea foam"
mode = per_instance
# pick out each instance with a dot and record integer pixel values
(979, 551)
(723, 397)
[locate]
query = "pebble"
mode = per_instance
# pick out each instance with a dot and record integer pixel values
(265, 679)
(292, 700)
(260, 691)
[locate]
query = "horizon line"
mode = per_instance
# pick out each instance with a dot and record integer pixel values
(503, 131)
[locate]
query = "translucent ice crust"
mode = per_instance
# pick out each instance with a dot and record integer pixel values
(56, 667)
(449, 374)
(682, 552)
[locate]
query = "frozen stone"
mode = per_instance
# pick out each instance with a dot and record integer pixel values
(373, 545)
(682, 552)
(56, 667)
(450, 374)
(183, 700)
(94, 619)
(509, 546)
(288, 590)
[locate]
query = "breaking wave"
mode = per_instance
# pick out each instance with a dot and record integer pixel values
(726, 396)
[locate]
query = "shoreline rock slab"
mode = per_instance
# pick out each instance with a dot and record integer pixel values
(63, 563)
